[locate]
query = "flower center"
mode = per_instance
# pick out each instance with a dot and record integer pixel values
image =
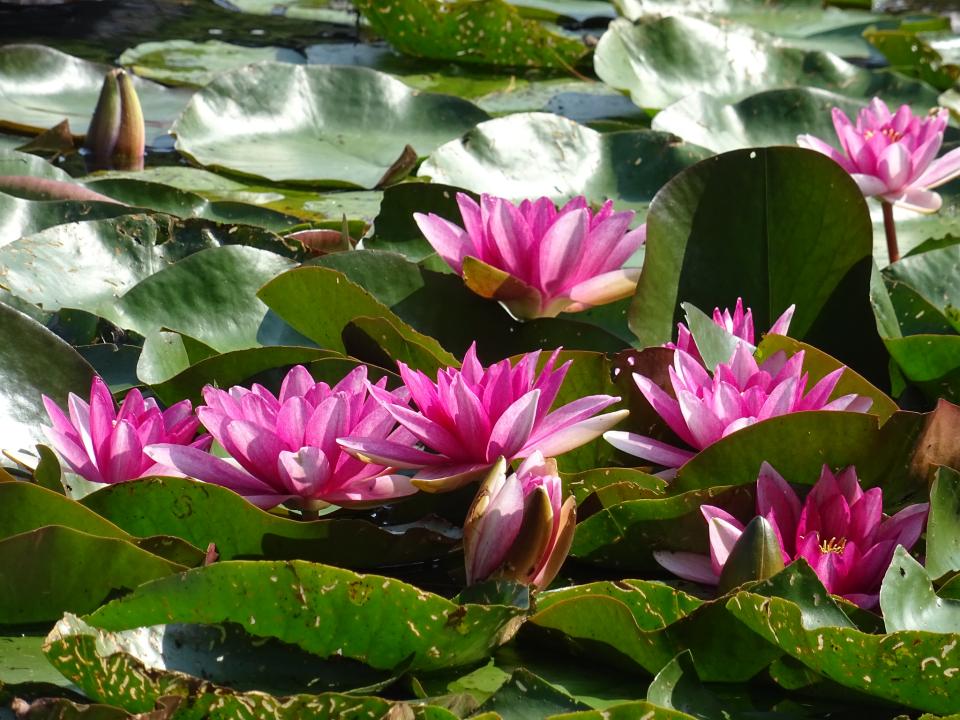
(833, 545)
(888, 132)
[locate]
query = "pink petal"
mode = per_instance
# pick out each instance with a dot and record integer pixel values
(782, 325)
(893, 166)
(916, 199)
(297, 383)
(814, 143)
(124, 453)
(942, 170)
(776, 500)
(689, 566)
(648, 449)
(206, 467)
(724, 531)
(374, 489)
(575, 435)
(869, 185)
(255, 448)
(451, 242)
(495, 532)
(513, 428)
(602, 289)
(561, 248)
(666, 407)
(388, 453)
(304, 472)
(905, 527)
(74, 454)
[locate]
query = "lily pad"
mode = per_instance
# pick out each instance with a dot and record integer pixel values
(324, 610)
(488, 33)
(40, 87)
(19, 217)
(943, 524)
(662, 60)
(314, 124)
(184, 62)
(755, 224)
(772, 117)
(538, 154)
(203, 513)
(34, 361)
(328, 11)
(58, 569)
(147, 667)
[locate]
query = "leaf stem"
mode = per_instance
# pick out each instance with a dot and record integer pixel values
(891, 231)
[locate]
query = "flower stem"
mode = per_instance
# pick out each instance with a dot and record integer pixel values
(309, 513)
(891, 231)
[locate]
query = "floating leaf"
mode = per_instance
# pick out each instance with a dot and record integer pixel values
(277, 121)
(324, 610)
(662, 60)
(775, 226)
(184, 62)
(909, 602)
(491, 32)
(41, 86)
(943, 524)
(33, 362)
(148, 667)
(538, 154)
(203, 513)
(57, 569)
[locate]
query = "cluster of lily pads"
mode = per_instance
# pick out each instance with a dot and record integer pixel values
(392, 389)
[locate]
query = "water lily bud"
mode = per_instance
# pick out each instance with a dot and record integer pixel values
(117, 134)
(517, 527)
(755, 556)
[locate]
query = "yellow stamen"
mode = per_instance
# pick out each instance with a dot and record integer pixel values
(833, 545)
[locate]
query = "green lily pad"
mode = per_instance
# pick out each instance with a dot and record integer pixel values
(40, 87)
(662, 60)
(627, 711)
(538, 154)
(34, 362)
(809, 24)
(184, 62)
(931, 362)
(147, 667)
(105, 257)
(57, 569)
(488, 33)
(328, 11)
(911, 668)
(909, 602)
(21, 163)
(27, 507)
(757, 224)
(210, 296)
(324, 610)
(279, 122)
(24, 662)
(203, 513)
(943, 524)
(772, 117)
(19, 217)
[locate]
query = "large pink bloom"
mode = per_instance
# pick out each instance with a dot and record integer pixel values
(472, 416)
(739, 324)
(106, 446)
(740, 393)
(839, 529)
(519, 526)
(538, 260)
(285, 448)
(891, 155)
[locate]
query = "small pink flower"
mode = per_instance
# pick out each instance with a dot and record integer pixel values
(105, 446)
(739, 324)
(537, 259)
(891, 155)
(740, 393)
(519, 527)
(472, 416)
(285, 448)
(839, 529)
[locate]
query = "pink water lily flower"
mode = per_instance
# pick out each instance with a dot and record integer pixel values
(739, 324)
(891, 155)
(284, 448)
(472, 416)
(740, 393)
(106, 446)
(519, 527)
(537, 259)
(839, 529)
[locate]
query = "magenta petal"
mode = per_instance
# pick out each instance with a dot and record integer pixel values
(905, 527)
(495, 531)
(648, 449)
(575, 435)
(74, 454)
(206, 467)
(373, 489)
(451, 242)
(389, 453)
(776, 499)
(561, 248)
(665, 406)
(689, 566)
(304, 472)
(255, 448)
(125, 454)
(512, 429)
